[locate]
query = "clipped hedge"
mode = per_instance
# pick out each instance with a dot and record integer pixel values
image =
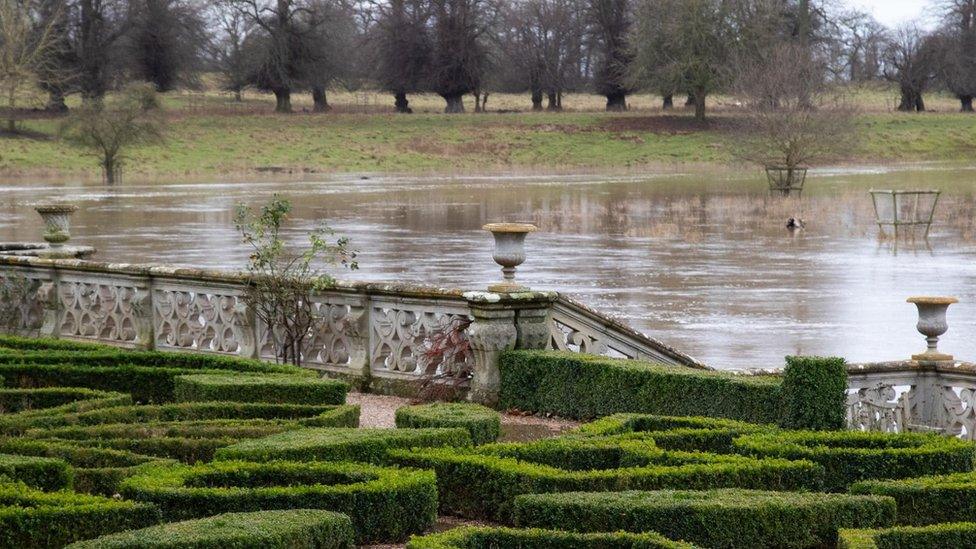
(928, 499)
(89, 400)
(484, 424)
(298, 529)
(36, 472)
(20, 343)
(279, 389)
(385, 504)
(936, 536)
(96, 470)
(850, 456)
(715, 518)
(584, 387)
(482, 482)
(34, 400)
(470, 537)
(30, 518)
(674, 433)
(207, 428)
(330, 444)
(814, 393)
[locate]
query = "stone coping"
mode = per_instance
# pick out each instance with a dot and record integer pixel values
(511, 228)
(932, 300)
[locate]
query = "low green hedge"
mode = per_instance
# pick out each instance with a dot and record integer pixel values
(928, 499)
(850, 456)
(206, 428)
(20, 343)
(715, 518)
(483, 423)
(936, 536)
(89, 400)
(328, 444)
(96, 470)
(482, 482)
(182, 449)
(814, 393)
(37, 472)
(30, 518)
(584, 386)
(470, 537)
(385, 504)
(22, 400)
(279, 389)
(674, 433)
(298, 529)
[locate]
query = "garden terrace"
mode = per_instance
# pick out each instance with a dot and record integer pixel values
(385, 504)
(715, 519)
(257, 530)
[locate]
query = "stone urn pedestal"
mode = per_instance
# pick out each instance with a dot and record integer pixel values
(57, 232)
(509, 253)
(932, 324)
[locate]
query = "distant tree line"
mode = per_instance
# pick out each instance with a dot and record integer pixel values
(682, 49)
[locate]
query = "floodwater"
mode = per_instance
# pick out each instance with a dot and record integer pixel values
(700, 261)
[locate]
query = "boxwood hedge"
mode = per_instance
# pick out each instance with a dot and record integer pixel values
(385, 504)
(281, 389)
(482, 422)
(674, 433)
(814, 393)
(44, 473)
(328, 444)
(205, 428)
(89, 400)
(482, 482)
(583, 387)
(714, 518)
(20, 400)
(471, 537)
(20, 343)
(850, 456)
(928, 499)
(30, 518)
(936, 536)
(298, 529)
(96, 470)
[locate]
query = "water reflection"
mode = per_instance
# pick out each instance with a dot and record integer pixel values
(703, 262)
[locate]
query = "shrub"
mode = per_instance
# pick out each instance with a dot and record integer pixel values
(928, 499)
(46, 344)
(715, 518)
(265, 388)
(850, 456)
(13, 401)
(470, 537)
(37, 472)
(936, 536)
(814, 393)
(482, 482)
(329, 444)
(96, 470)
(29, 518)
(385, 504)
(299, 529)
(482, 422)
(207, 428)
(584, 386)
(674, 433)
(185, 450)
(111, 356)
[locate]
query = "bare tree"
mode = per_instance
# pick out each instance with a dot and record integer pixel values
(99, 25)
(459, 55)
(402, 40)
(862, 46)
(910, 62)
(229, 48)
(165, 42)
(957, 50)
(610, 25)
(27, 45)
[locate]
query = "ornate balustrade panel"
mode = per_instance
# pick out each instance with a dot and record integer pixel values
(415, 337)
(24, 295)
(104, 308)
(201, 317)
(578, 328)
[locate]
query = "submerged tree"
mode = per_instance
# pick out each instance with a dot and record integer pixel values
(282, 280)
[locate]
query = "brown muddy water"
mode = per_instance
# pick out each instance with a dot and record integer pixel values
(701, 261)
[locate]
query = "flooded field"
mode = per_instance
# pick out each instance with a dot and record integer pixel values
(702, 262)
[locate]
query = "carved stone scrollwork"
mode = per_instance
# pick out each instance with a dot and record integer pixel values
(877, 408)
(201, 321)
(400, 337)
(960, 411)
(566, 337)
(101, 311)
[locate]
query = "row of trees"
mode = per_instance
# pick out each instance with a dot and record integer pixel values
(545, 48)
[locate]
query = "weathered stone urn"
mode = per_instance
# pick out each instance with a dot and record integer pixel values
(509, 252)
(57, 222)
(932, 324)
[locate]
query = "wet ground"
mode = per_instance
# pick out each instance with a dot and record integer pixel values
(702, 261)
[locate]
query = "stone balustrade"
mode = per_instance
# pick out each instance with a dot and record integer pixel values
(376, 334)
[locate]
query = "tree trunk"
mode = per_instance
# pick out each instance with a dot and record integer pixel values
(55, 101)
(552, 102)
(109, 169)
(668, 102)
(401, 103)
(320, 102)
(238, 97)
(282, 100)
(700, 105)
(617, 101)
(455, 103)
(911, 101)
(967, 103)
(690, 100)
(537, 100)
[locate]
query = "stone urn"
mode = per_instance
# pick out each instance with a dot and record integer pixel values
(509, 252)
(57, 222)
(932, 324)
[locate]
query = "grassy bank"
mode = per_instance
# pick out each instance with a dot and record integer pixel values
(210, 135)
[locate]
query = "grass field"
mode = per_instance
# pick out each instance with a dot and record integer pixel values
(210, 135)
